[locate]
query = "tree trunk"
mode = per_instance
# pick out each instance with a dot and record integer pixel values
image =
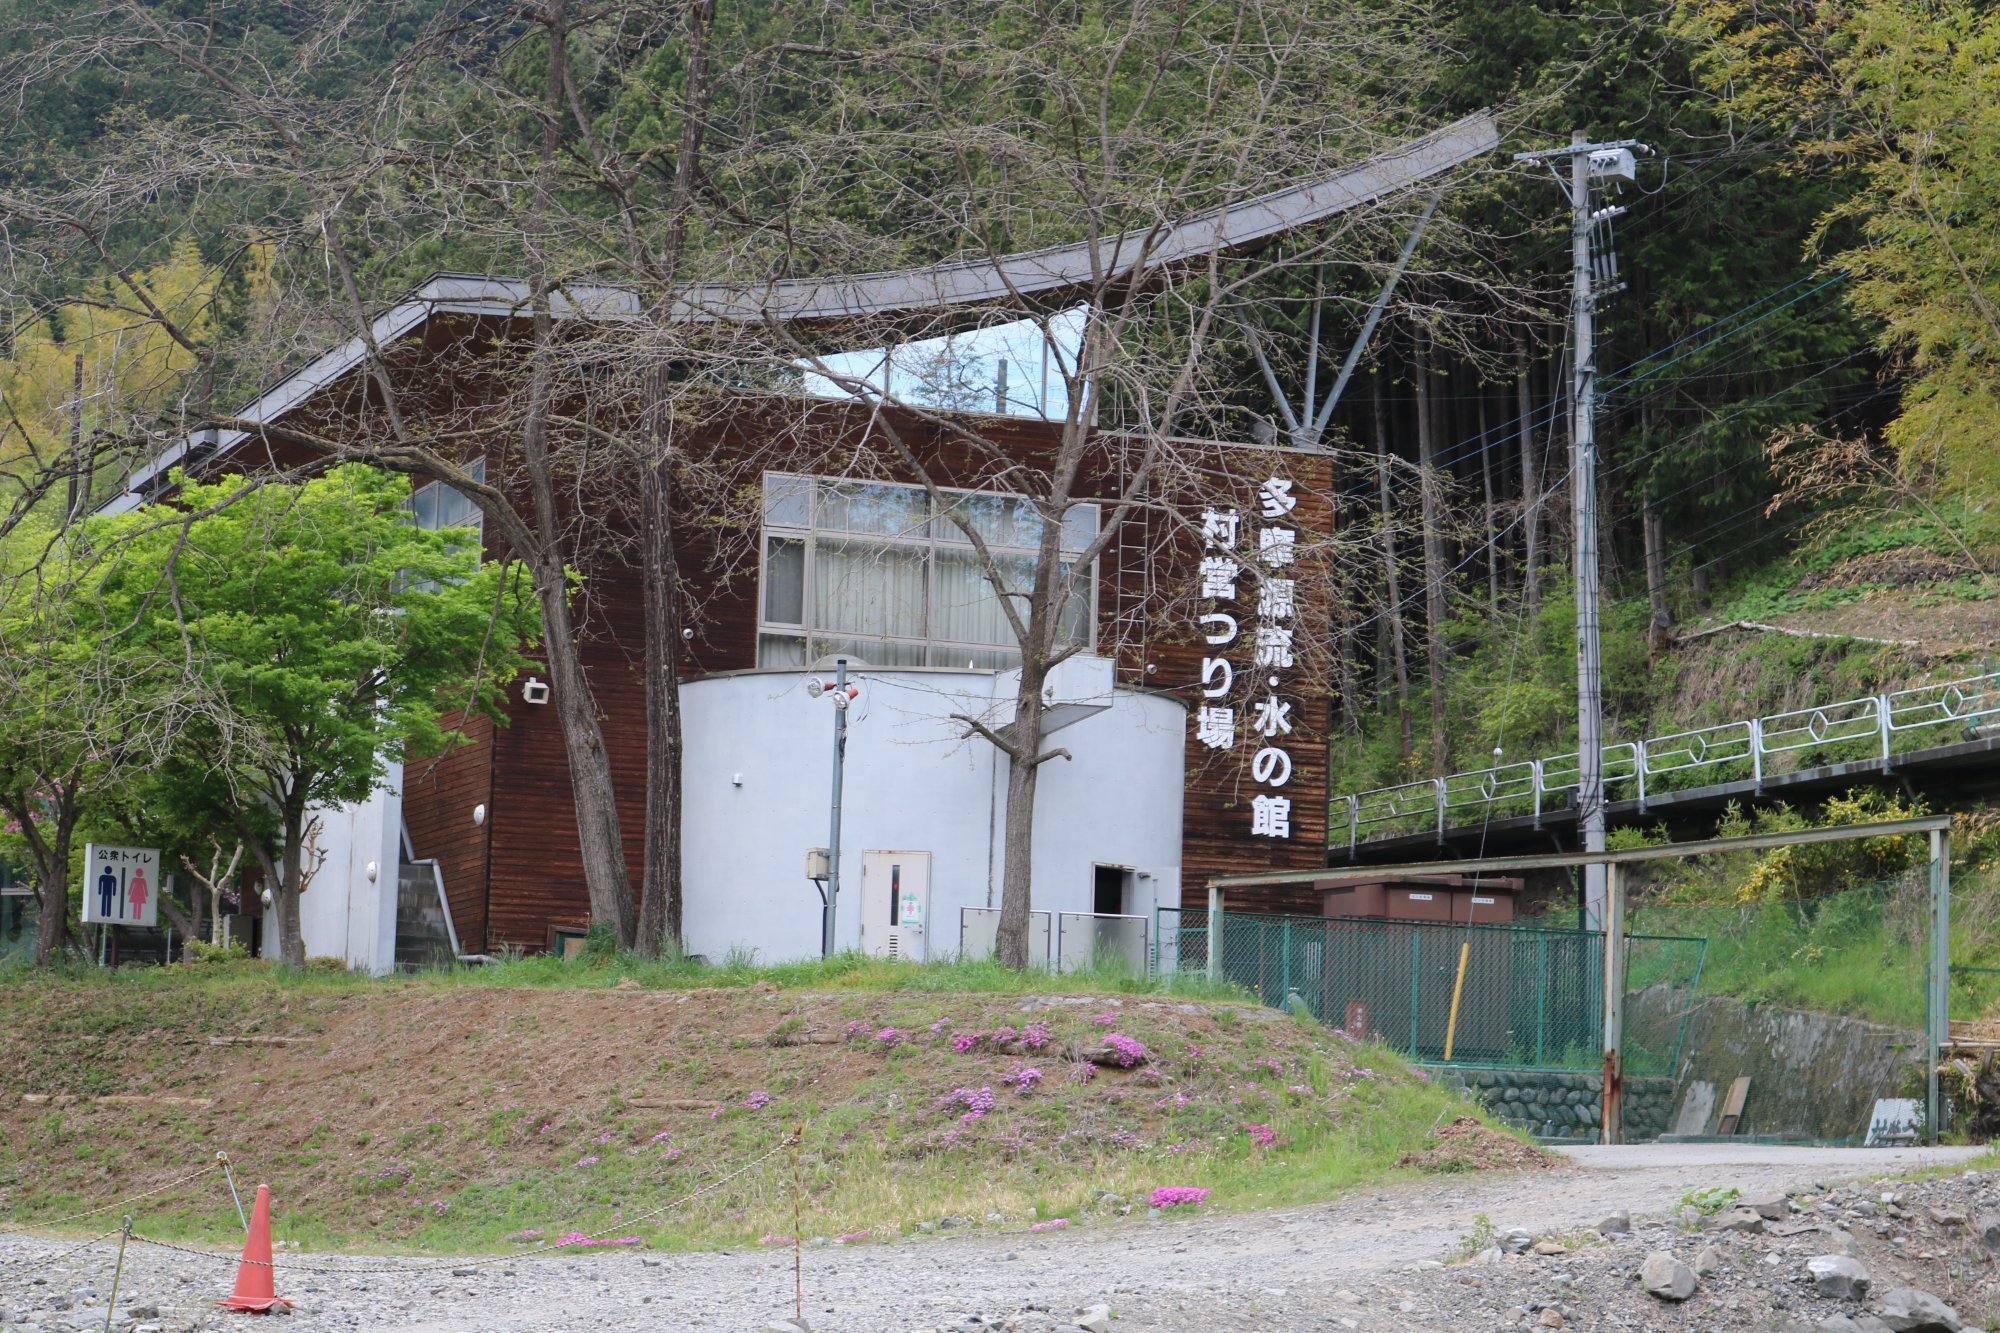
(1531, 492)
(1434, 569)
(659, 929)
(597, 827)
(286, 893)
(1492, 538)
(1399, 656)
(1017, 878)
(598, 834)
(52, 898)
(1657, 632)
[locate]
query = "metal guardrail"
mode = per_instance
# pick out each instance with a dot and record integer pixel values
(1867, 728)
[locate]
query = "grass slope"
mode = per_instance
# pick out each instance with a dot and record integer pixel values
(457, 1111)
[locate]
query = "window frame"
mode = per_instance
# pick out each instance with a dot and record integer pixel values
(930, 542)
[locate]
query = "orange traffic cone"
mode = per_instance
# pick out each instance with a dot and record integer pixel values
(254, 1279)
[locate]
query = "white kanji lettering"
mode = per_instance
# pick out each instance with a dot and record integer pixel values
(1277, 547)
(1271, 817)
(1215, 669)
(1218, 529)
(1272, 767)
(1215, 727)
(1271, 716)
(1218, 577)
(1225, 631)
(1276, 498)
(1276, 598)
(1274, 646)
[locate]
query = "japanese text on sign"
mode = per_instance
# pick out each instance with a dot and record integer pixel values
(121, 885)
(1267, 646)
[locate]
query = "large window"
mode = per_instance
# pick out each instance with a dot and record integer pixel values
(867, 569)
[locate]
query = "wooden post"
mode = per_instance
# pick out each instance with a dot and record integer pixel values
(1457, 993)
(1613, 1107)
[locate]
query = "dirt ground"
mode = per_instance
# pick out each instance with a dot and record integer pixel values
(1374, 1261)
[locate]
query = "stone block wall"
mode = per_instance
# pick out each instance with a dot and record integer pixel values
(1551, 1104)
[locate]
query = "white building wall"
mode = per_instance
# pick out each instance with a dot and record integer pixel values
(757, 775)
(344, 913)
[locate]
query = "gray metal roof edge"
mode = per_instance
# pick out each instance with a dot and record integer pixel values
(1227, 227)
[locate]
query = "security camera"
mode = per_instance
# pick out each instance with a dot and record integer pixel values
(534, 691)
(687, 634)
(815, 687)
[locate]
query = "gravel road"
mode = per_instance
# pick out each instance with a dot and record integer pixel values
(1294, 1268)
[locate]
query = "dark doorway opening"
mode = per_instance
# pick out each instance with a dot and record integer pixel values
(1109, 896)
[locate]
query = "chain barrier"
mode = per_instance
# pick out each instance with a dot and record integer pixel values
(50, 1260)
(115, 1204)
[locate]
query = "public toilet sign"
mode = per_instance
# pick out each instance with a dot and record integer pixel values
(121, 885)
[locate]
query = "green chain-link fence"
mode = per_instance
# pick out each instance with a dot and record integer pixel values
(1531, 997)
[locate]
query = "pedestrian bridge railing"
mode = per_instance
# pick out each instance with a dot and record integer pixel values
(1873, 727)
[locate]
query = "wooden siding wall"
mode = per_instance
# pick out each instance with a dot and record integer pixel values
(1216, 811)
(513, 879)
(439, 796)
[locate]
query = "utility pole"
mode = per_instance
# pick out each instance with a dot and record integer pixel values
(1590, 281)
(842, 693)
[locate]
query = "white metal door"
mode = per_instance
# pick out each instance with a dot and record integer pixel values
(895, 904)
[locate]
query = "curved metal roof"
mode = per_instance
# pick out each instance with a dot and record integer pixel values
(1064, 271)
(1055, 274)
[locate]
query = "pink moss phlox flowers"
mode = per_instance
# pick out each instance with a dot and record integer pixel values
(1262, 1135)
(1105, 1020)
(579, 1240)
(891, 1037)
(1130, 1051)
(587, 1161)
(777, 1240)
(1022, 1078)
(976, 1101)
(965, 1041)
(1053, 1224)
(1173, 1196)
(757, 1101)
(1035, 1035)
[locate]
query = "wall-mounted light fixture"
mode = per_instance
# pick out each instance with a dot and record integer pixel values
(478, 815)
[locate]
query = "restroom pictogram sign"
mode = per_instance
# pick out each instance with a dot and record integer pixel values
(121, 885)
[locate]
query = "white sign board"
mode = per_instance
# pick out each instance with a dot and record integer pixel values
(121, 885)
(1236, 563)
(1896, 1120)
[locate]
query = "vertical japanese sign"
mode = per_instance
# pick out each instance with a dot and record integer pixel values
(121, 885)
(1251, 643)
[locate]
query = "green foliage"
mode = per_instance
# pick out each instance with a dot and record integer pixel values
(1712, 1200)
(200, 953)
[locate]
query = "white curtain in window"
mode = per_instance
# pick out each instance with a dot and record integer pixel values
(862, 587)
(967, 609)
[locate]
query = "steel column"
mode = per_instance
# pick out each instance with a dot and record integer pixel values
(1613, 1127)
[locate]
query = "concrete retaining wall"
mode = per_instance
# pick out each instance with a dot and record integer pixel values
(1812, 1076)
